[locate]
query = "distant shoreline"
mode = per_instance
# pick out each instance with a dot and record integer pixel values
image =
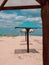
(8, 35)
(12, 35)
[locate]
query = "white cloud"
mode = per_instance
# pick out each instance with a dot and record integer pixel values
(40, 21)
(29, 10)
(3, 26)
(1, 20)
(11, 20)
(34, 19)
(7, 16)
(20, 17)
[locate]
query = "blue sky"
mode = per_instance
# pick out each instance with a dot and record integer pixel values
(12, 18)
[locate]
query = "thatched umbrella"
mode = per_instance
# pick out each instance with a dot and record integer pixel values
(28, 25)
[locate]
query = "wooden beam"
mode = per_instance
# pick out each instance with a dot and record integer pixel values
(3, 3)
(39, 1)
(45, 22)
(20, 7)
(42, 2)
(25, 36)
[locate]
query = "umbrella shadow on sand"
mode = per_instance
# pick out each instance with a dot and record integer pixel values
(26, 44)
(1, 40)
(20, 51)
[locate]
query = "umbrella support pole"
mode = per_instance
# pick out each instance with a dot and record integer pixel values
(27, 30)
(25, 36)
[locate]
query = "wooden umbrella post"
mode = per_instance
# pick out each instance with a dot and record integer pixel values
(45, 19)
(45, 23)
(27, 30)
(25, 36)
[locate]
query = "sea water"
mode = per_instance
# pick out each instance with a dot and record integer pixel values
(10, 31)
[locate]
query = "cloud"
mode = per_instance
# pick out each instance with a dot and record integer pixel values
(8, 19)
(34, 19)
(7, 16)
(40, 22)
(31, 12)
(20, 18)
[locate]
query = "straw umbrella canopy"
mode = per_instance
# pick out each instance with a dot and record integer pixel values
(24, 30)
(28, 25)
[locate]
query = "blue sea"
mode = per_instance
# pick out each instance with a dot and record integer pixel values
(10, 31)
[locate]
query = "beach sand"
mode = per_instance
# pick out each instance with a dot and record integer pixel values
(13, 51)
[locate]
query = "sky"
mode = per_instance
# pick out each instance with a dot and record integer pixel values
(12, 18)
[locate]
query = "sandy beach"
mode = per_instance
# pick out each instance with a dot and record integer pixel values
(13, 51)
